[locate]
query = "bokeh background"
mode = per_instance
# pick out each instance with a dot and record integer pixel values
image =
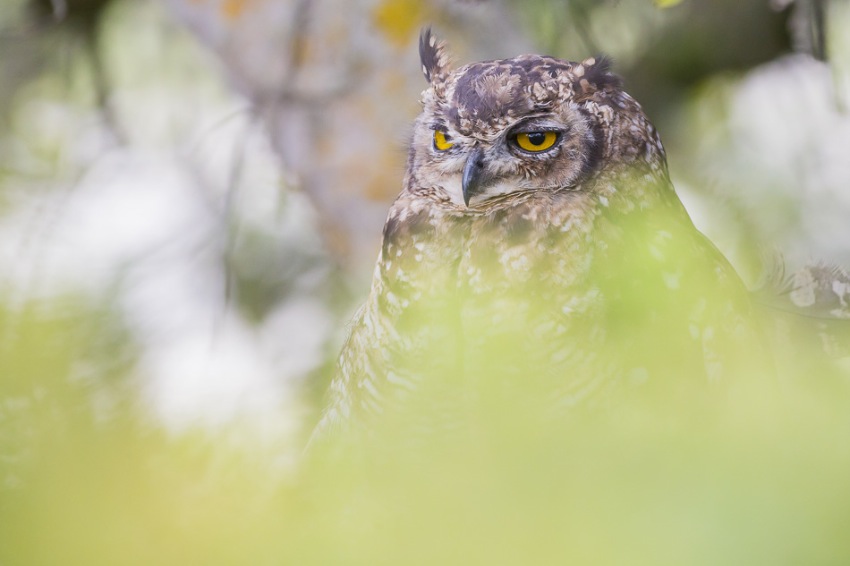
(191, 199)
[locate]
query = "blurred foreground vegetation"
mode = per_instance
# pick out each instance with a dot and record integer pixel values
(752, 475)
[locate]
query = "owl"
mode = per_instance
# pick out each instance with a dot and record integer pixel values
(538, 240)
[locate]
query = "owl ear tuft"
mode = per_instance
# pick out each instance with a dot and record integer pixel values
(600, 73)
(434, 56)
(594, 74)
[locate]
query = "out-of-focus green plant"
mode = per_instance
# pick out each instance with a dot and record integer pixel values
(751, 476)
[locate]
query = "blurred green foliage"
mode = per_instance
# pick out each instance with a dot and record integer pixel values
(740, 472)
(746, 478)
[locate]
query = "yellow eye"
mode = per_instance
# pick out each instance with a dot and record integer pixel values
(440, 141)
(536, 141)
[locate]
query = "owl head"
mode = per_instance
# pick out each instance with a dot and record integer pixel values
(529, 123)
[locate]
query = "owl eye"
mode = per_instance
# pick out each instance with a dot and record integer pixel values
(536, 141)
(441, 141)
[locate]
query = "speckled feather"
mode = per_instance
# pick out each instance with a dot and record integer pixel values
(808, 312)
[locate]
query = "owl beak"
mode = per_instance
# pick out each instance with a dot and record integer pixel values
(473, 174)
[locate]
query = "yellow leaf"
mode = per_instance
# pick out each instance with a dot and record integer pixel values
(232, 9)
(667, 3)
(399, 20)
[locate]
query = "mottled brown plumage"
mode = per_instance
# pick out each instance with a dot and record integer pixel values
(575, 268)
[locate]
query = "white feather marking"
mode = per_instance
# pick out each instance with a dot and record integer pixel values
(841, 289)
(803, 293)
(671, 280)
(370, 387)
(395, 379)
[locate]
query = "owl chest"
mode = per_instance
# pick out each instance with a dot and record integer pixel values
(495, 284)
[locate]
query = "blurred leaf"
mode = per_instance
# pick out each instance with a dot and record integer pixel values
(667, 3)
(233, 9)
(400, 20)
